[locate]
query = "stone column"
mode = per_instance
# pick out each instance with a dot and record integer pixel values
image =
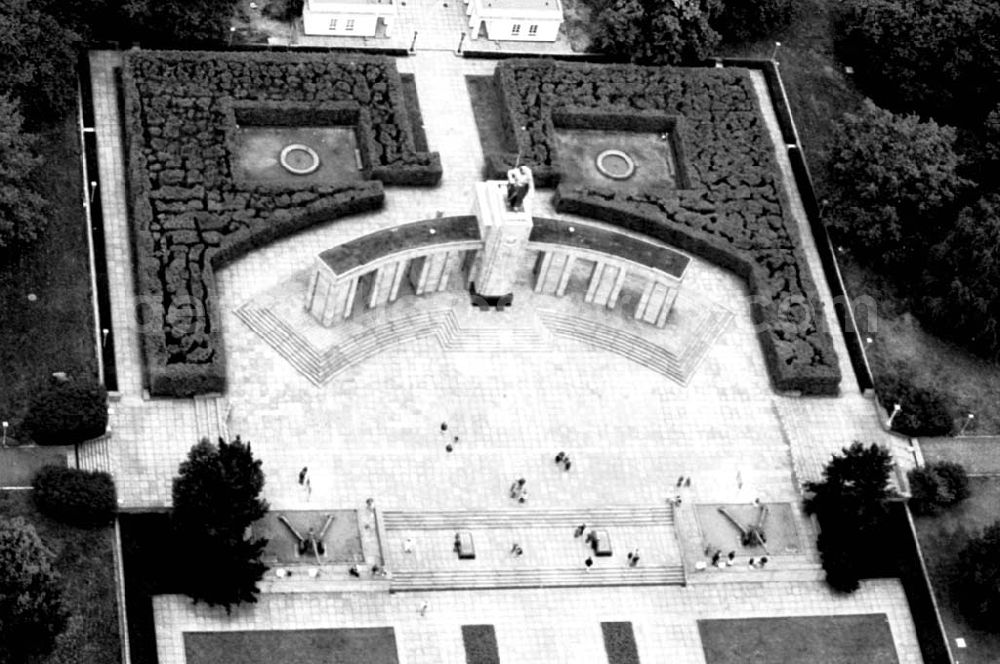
(505, 235)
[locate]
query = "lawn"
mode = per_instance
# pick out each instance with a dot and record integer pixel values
(85, 560)
(55, 332)
(848, 639)
(941, 537)
(619, 643)
(480, 643)
(18, 465)
(373, 645)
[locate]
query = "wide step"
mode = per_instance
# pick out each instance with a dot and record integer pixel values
(668, 575)
(527, 518)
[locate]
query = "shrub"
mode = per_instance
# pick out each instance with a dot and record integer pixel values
(894, 179)
(961, 294)
(31, 608)
(978, 582)
(216, 496)
(934, 57)
(653, 31)
(78, 497)
(936, 486)
(67, 413)
(283, 10)
(923, 410)
(731, 211)
(22, 207)
(746, 20)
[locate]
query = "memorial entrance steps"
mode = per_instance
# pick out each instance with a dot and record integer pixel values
(598, 517)
(565, 577)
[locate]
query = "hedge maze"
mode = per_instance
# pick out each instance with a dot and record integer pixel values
(190, 215)
(732, 210)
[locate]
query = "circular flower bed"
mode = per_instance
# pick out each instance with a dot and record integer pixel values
(299, 159)
(615, 164)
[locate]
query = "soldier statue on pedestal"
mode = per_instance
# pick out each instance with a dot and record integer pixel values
(519, 183)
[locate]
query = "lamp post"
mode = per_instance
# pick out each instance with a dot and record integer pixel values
(93, 188)
(5, 425)
(104, 336)
(774, 53)
(895, 411)
(968, 421)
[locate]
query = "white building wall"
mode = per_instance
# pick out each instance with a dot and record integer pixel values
(503, 29)
(322, 23)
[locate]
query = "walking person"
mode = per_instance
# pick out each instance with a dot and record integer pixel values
(580, 530)
(588, 563)
(560, 457)
(423, 609)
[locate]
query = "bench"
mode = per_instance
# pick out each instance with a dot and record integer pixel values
(464, 546)
(601, 543)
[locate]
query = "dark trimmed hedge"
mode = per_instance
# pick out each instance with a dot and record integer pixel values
(189, 214)
(67, 413)
(77, 497)
(735, 212)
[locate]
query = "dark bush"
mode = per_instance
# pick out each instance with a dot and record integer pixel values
(955, 479)
(895, 181)
(733, 211)
(978, 582)
(67, 413)
(746, 20)
(283, 10)
(653, 31)
(923, 410)
(77, 497)
(937, 58)
(960, 298)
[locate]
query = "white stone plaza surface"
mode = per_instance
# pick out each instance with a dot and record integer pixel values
(374, 431)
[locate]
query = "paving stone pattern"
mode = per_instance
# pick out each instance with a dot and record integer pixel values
(374, 431)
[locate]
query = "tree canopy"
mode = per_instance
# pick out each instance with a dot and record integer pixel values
(961, 294)
(746, 20)
(851, 503)
(37, 61)
(936, 57)
(978, 583)
(661, 32)
(22, 207)
(895, 180)
(216, 497)
(31, 609)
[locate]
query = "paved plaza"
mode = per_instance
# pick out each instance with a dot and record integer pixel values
(374, 430)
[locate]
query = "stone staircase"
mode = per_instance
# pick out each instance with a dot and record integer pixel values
(569, 577)
(348, 350)
(211, 413)
(598, 517)
(496, 338)
(677, 367)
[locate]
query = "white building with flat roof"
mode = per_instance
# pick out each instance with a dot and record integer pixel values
(515, 20)
(347, 18)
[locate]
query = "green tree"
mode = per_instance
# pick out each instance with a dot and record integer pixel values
(851, 503)
(961, 294)
(661, 32)
(22, 207)
(37, 61)
(172, 22)
(894, 180)
(936, 57)
(31, 608)
(746, 20)
(216, 497)
(978, 582)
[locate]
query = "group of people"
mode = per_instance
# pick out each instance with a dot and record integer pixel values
(562, 459)
(730, 560)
